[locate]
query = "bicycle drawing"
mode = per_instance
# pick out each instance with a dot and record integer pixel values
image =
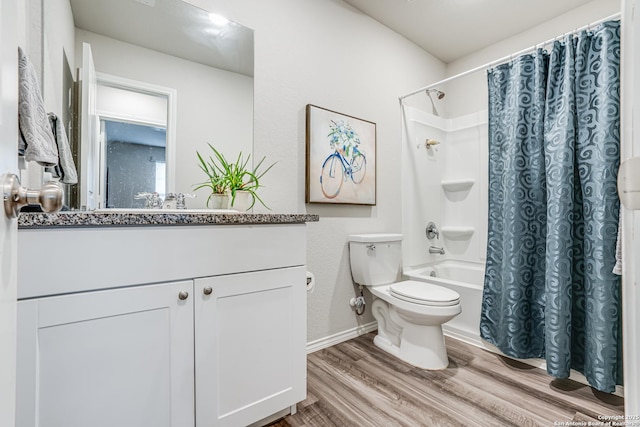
(341, 158)
(347, 161)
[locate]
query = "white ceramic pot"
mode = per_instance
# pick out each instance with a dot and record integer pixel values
(242, 201)
(218, 201)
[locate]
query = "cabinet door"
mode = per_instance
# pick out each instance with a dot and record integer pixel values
(121, 357)
(250, 345)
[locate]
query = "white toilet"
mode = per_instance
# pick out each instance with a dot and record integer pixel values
(410, 314)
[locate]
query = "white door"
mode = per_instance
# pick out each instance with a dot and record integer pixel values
(631, 229)
(8, 227)
(89, 133)
(250, 340)
(119, 357)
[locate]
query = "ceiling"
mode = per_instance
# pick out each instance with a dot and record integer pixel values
(170, 26)
(451, 29)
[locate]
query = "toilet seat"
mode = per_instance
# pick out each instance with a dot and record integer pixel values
(424, 293)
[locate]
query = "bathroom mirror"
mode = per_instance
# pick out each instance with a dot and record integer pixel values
(202, 59)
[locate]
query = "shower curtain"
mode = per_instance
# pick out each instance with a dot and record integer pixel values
(554, 153)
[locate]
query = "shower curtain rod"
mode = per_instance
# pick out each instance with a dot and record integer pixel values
(508, 57)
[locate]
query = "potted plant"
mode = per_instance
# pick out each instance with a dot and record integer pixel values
(216, 182)
(240, 183)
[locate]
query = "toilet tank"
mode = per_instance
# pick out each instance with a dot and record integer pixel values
(376, 259)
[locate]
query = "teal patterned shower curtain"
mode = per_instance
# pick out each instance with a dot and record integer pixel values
(554, 153)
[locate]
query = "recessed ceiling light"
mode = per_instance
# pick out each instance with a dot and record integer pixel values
(218, 20)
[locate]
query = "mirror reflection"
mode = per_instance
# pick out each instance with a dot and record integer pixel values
(197, 67)
(135, 161)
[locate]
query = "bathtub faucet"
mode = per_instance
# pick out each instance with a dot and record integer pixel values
(436, 250)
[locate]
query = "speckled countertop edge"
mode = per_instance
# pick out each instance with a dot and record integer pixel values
(92, 219)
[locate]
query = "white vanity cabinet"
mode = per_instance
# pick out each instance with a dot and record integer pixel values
(121, 357)
(250, 345)
(161, 326)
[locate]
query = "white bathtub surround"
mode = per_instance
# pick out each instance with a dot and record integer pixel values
(410, 313)
(444, 184)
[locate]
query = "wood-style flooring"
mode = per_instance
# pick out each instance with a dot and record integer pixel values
(356, 384)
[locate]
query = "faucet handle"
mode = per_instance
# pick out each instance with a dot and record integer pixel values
(155, 201)
(180, 199)
(152, 200)
(432, 231)
(142, 196)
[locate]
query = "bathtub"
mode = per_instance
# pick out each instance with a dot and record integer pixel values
(467, 279)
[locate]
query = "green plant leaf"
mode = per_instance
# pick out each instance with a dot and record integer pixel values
(224, 176)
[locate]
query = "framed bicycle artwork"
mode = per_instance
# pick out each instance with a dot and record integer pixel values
(341, 158)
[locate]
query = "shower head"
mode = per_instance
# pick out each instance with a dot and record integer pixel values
(439, 94)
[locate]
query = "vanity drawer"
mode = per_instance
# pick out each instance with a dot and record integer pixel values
(60, 261)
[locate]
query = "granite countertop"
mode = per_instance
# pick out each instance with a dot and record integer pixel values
(120, 219)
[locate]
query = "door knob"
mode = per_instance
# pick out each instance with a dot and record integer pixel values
(49, 197)
(207, 290)
(183, 295)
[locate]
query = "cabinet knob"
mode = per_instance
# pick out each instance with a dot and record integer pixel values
(207, 290)
(183, 295)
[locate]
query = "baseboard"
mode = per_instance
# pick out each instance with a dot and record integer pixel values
(334, 339)
(474, 339)
(461, 335)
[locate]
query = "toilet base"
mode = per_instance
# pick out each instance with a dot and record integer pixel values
(420, 346)
(412, 337)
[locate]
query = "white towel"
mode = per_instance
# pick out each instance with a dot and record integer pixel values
(37, 141)
(66, 168)
(617, 269)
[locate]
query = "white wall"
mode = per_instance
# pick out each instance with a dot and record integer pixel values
(328, 54)
(58, 41)
(214, 106)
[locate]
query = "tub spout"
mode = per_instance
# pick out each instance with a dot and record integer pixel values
(436, 250)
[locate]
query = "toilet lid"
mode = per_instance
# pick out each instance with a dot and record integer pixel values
(424, 293)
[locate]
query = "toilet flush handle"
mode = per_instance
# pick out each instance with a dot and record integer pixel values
(371, 246)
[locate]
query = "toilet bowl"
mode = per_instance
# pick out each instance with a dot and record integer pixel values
(409, 313)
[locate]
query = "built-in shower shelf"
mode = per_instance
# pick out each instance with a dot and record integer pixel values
(458, 233)
(458, 184)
